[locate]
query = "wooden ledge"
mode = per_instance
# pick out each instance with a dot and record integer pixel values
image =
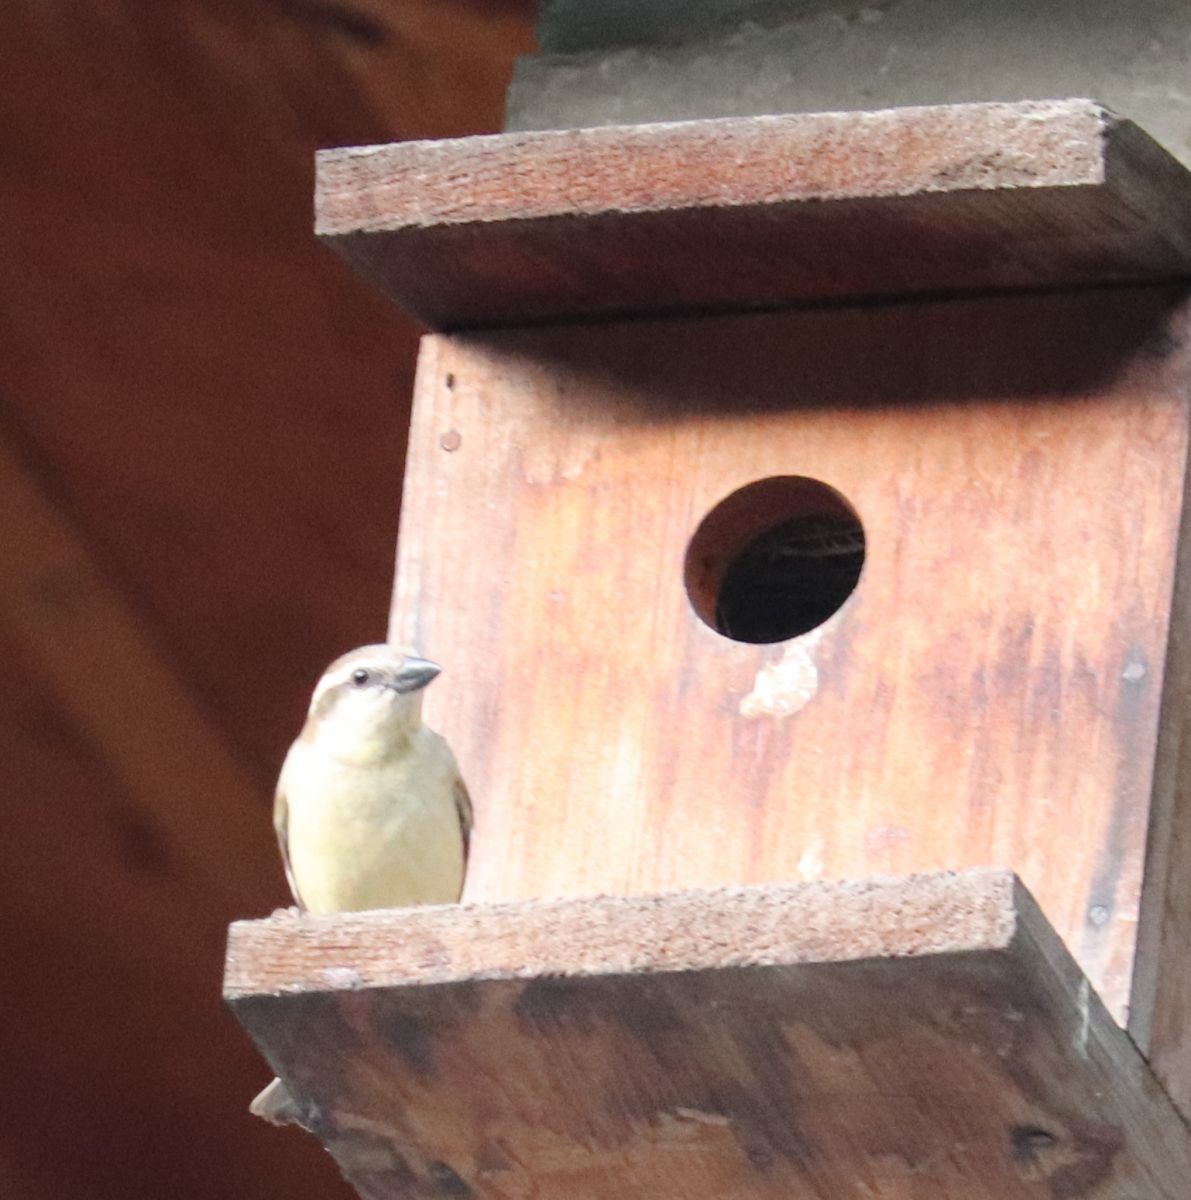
(924, 1037)
(707, 929)
(757, 211)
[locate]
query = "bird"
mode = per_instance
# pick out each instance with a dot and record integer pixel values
(371, 810)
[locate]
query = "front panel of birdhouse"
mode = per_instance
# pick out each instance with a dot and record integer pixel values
(987, 693)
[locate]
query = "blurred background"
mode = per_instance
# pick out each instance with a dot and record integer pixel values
(202, 417)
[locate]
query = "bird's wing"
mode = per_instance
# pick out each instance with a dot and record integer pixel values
(281, 825)
(463, 808)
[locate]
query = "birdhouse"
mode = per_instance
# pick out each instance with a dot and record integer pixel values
(792, 501)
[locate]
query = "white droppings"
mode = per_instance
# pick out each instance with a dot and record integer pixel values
(701, 1117)
(342, 977)
(784, 687)
(810, 865)
(1084, 1005)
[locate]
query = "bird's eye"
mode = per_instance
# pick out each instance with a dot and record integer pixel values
(360, 677)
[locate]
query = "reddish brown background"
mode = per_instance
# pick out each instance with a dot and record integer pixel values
(204, 412)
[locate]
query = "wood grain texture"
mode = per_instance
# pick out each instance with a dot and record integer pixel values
(942, 913)
(925, 1037)
(745, 213)
(988, 696)
(1160, 1011)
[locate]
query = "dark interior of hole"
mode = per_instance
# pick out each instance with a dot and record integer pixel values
(791, 578)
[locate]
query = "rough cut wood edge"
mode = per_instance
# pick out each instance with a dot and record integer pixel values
(760, 160)
(915, 915)
(568, 221)
(1160, 1000)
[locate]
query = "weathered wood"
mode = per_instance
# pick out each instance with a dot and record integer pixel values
(925, 1037)
(1160, 998)
(988, 696)
(746, 213)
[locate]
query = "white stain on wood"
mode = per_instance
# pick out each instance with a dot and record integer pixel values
(784, 687)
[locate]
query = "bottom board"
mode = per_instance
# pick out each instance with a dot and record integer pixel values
(923, 1037)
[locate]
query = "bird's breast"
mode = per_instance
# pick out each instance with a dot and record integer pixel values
(379, 835)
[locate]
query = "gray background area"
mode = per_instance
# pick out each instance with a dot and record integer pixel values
(622, 61)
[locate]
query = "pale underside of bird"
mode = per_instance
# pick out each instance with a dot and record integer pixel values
(371, 810)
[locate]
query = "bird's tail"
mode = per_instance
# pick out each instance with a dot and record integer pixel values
(276, 1105)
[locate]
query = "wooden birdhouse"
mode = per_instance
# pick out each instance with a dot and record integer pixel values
(791, 500)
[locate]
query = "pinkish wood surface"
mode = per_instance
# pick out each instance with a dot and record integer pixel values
(530, 227)
(989, 695)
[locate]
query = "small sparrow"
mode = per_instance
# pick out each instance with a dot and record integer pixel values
(370, 811)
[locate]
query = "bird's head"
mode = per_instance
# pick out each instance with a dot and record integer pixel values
(369, 698)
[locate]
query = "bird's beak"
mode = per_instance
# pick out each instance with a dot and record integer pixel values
(415, 674)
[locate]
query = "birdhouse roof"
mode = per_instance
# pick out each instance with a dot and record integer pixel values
(757, 212)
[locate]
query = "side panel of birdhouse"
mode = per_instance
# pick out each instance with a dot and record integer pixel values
(990, 692)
